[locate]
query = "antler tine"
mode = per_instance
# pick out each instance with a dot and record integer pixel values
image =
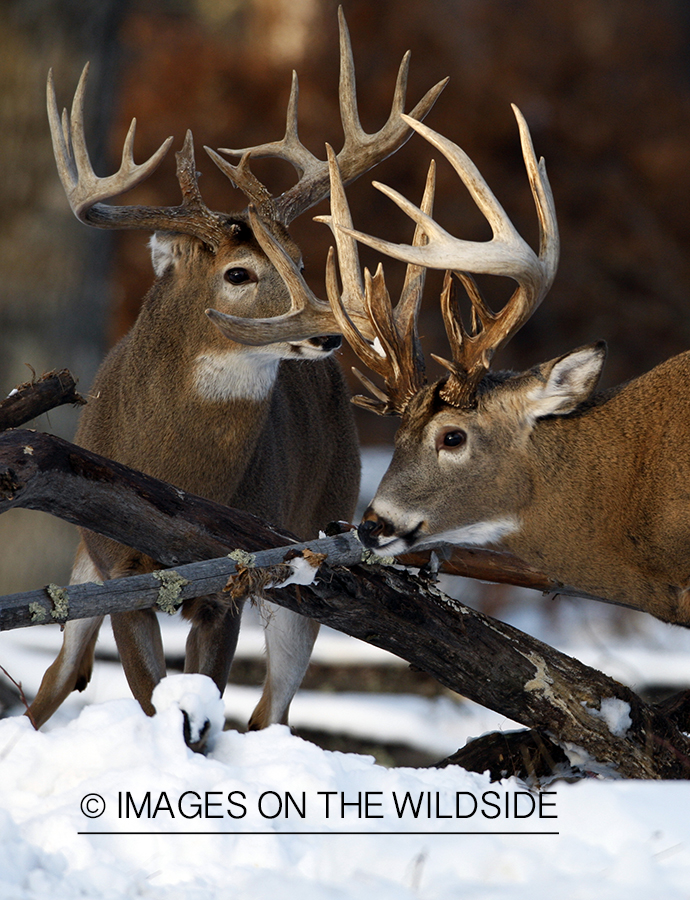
(543, 200)
(360, 151)
(350, 304)
(407, 311)
(351, 301)
(85, 190)
(82, 186)
(505, 254)
(396, 354)
(243, 178)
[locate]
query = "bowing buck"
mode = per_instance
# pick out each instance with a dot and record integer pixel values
(267, 429)
(591, 488)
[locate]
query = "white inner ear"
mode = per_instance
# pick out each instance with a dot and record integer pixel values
(570, 382)
(162, 253)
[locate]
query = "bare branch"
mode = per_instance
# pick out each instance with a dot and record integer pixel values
(29, 400)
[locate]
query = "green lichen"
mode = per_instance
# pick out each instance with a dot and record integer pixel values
(169, 599)
(60, 599)
(38, 612)
(243, 559)
(372, 559)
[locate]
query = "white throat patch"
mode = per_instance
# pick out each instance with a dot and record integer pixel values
(479, 533)
(231, 375)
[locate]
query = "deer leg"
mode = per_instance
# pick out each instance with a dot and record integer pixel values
(138, 639)
(212, 639)
(72, 668)
(289, 641)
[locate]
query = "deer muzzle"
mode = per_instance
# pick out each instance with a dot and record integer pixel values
(378, 533)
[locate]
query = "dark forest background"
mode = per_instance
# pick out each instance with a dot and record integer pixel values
(604, 85)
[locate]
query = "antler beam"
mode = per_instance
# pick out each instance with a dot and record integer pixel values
(360, 152)
(505, 254)
(86, 191)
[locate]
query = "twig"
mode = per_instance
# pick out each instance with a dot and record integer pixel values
(22, 695)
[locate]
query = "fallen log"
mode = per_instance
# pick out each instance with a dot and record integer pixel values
(29, 400)
(599, 724)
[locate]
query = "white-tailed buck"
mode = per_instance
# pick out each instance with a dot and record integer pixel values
(591, 488)
(182, 397)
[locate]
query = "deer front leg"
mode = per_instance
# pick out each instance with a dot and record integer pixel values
(73, 665)
(138, 638)
(71, 670)
(290, 640)
(212, 639)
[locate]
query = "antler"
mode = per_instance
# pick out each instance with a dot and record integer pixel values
(396, 353)
(360, 152)
(86, 191)
(308, 316)
(505, 254)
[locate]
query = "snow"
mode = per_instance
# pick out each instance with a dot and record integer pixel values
(107, 804)
(114, 805)
(616, 714)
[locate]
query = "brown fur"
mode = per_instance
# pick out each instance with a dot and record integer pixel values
(290, 457)
(600, 490)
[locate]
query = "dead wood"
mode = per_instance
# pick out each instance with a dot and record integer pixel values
(598, 723)
(29, 400)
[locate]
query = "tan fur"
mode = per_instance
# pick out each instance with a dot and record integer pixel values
(599, 491)
(268, 429)
(290, 456)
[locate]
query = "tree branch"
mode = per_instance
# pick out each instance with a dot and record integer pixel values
(597, 722)
(29, 400)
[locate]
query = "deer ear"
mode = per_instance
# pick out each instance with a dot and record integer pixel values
(162, 252)
(167, 248)
(567, 381)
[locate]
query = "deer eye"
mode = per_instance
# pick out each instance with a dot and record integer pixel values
(237, 275)
(452, 439)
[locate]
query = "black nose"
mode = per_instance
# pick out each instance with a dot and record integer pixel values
(369, 531)
(328, 341)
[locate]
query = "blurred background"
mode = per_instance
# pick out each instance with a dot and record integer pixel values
(604, 85)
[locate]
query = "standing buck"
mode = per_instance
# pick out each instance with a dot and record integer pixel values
(591, 488)
(267, 429)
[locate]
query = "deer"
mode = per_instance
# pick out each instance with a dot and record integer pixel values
(255, 417)
(589, 486)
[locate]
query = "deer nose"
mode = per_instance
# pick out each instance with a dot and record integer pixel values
(327, 341)
(370, 530)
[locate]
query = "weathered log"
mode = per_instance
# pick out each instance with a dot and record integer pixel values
(535, 758)
(168, 588)
(524, 754)
(596, 721)
(29, 400)
(43, 472)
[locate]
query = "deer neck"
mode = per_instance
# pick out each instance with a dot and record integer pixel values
(181, 405)
(229, 376)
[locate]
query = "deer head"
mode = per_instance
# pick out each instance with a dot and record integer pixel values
(590, 488)
(255, 291)
(472, 427)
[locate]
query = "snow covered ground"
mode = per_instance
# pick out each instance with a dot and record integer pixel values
(107, 803)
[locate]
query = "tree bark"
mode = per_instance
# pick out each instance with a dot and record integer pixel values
(27, 401)
(597, 722)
